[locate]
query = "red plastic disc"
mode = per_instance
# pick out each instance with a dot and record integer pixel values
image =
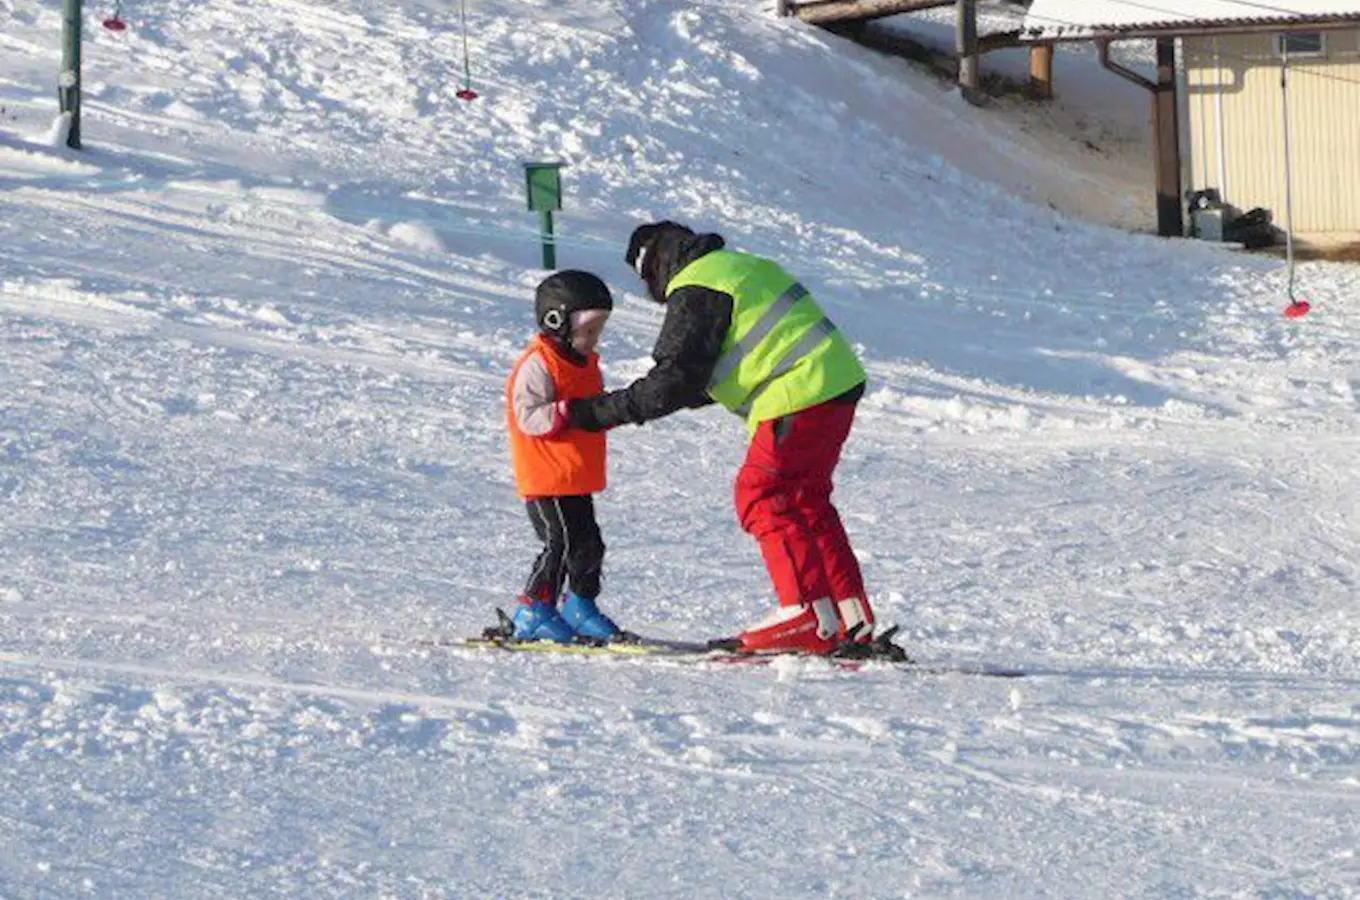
(115, 24)
(1297, 310)
(466, 94)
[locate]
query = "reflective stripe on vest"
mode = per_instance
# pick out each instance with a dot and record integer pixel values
(728, 362)
(808, 343)
(778, 337)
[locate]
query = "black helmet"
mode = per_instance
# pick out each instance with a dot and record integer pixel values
(563, 293)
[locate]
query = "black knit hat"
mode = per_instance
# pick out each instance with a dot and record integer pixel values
(563, 293)
(652, 250)
(644, 237)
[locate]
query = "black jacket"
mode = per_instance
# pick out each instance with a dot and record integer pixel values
(687, 348)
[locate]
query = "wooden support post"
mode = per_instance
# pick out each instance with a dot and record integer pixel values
(1165, 130)
(966, 47)
(1166, 137)
(1041, 71)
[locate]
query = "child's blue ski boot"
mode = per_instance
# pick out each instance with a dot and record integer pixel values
(584, 618)
(538, 621)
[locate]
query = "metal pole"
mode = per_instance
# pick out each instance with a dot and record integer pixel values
(1218, 124)
(68, 84)
(549, 242)
(1288, 181)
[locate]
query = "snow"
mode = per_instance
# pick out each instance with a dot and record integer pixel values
(255, 338)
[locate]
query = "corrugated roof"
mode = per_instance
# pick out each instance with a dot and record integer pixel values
(1078, 19)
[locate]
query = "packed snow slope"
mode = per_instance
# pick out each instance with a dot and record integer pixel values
(255, 337)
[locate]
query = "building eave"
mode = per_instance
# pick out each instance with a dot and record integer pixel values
(1186, 28)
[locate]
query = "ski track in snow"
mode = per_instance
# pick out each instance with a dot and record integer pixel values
(1001, 759)
(255, 337)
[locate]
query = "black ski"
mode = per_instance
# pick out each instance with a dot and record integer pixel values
(881, 652)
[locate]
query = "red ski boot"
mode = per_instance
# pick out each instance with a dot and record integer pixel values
(807, 628)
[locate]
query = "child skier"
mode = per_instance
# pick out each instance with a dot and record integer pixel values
(557, 469)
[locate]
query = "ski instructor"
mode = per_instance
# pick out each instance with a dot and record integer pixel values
(742, 332)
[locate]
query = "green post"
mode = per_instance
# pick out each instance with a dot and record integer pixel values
(543, 185)
(68, 85)
(545, 228)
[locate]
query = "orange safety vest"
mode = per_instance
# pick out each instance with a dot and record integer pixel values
(573, 461)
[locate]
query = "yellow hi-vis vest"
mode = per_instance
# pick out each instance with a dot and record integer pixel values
(781, 353)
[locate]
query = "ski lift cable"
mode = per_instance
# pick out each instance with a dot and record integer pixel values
(466, 92)
(1296, 308)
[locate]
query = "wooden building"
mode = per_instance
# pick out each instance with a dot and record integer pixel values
(1259, 102)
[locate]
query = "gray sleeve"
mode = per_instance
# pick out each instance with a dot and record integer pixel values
(532, 397)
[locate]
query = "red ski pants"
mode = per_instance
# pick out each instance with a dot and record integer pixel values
(783, 495)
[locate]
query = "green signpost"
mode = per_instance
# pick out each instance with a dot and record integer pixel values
(543, 186)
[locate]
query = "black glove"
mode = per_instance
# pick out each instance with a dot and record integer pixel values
(581, 414)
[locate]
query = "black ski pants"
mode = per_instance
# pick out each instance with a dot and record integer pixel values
(573, 551)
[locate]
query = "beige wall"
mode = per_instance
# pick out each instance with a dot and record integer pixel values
(1235, 139)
